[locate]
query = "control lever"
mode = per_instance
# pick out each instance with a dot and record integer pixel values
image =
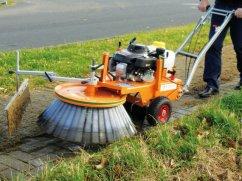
(119, 45)
(132, 41)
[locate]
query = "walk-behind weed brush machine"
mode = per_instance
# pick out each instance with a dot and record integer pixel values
(90, 111)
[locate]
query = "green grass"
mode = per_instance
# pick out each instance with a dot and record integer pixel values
(11, 2)
(73, 59)
(233, 102)
(126, 159)
(161, 152)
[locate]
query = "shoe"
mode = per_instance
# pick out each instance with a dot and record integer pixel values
(238, 86)
(207, 92)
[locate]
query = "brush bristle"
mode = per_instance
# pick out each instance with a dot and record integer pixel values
(88, 126)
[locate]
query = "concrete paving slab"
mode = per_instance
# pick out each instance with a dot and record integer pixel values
(35, 144)
(3, 167)
(44, 151)
(25, 157)
(14, 163)
(9, 174)
(37, 163)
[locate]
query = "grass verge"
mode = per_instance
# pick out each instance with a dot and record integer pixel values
(204, 146)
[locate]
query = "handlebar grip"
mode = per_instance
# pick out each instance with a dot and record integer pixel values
(11, 72)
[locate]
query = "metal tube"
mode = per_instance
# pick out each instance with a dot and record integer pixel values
(187, 54)
(17, 69)
(220, 14)
(17, 60)
(34, 73)
(52, 75)
(222, 10)
(69, 79)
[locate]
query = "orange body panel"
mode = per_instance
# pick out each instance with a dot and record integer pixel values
(104, 73)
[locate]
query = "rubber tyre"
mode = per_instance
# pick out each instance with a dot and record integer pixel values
(159, 111)
(136, 112)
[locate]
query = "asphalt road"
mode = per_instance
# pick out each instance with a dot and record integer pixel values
(36, 23)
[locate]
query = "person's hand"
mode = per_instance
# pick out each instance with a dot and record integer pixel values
(203, 5)
(238, 13)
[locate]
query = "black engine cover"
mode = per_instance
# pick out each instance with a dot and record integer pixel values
(137, 55)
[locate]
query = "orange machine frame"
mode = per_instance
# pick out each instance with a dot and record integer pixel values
(108, 92)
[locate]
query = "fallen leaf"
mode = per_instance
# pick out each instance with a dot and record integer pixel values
(202, 134)
(102, 164)
(225, 175)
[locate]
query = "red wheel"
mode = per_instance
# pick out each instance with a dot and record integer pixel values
(159, 111)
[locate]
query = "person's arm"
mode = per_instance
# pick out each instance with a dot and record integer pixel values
(203, 5)
(238, 13)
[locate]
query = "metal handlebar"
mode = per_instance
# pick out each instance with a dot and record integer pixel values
(198, 57)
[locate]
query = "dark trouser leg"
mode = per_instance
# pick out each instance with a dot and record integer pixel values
(236, 35)
(212, 68)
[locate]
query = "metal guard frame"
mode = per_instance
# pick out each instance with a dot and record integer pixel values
(51, 76)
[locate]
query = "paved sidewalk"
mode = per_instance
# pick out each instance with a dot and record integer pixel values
(32, 155)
